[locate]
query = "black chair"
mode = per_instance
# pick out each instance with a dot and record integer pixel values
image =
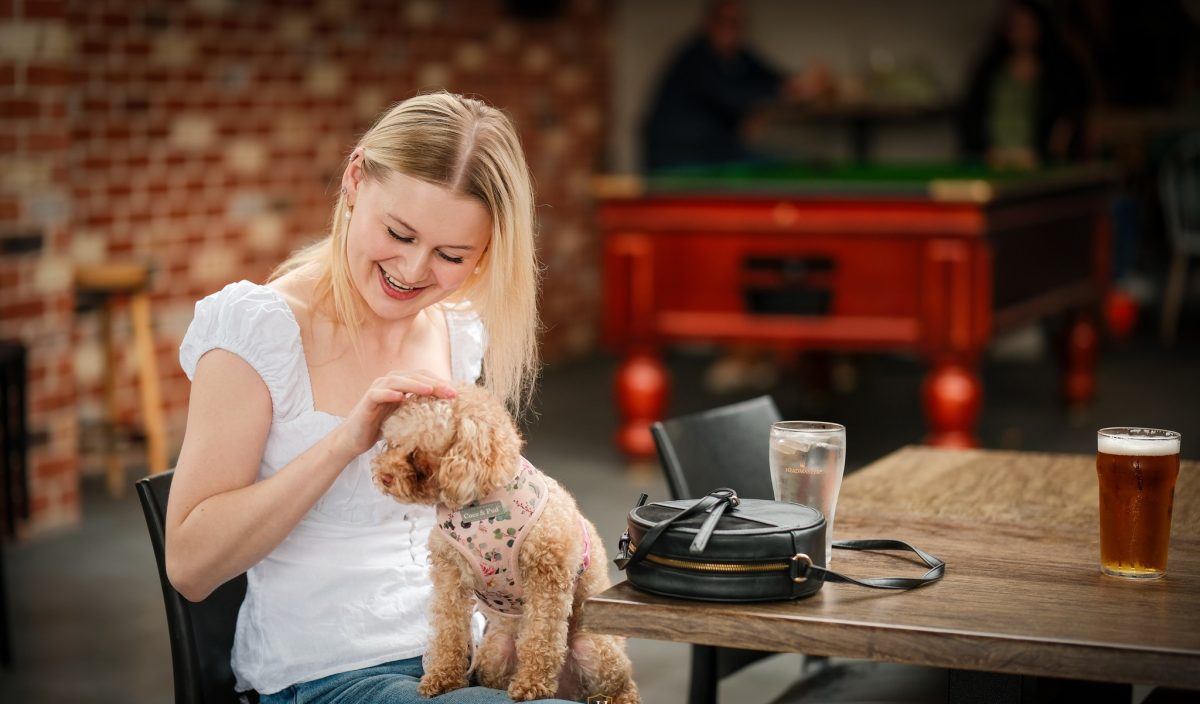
(722, 447)
(729, 447)
(201, 633)
(14, 451)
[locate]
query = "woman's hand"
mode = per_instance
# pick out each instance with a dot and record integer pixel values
(360, 430)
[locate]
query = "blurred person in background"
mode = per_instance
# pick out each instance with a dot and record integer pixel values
(708, 93)
(1026, 99)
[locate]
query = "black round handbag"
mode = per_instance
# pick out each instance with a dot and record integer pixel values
(723, 548)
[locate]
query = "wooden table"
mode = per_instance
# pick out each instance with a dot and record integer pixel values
(1022, 596)
(931, 259)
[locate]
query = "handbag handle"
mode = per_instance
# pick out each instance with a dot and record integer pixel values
(715, 503)
(802, 569)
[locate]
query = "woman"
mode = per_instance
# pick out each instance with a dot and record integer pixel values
(430, 260)
(1026, 99)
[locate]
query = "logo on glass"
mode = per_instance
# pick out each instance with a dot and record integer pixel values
(803, 470)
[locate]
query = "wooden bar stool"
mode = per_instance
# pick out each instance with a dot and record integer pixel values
(111, 283)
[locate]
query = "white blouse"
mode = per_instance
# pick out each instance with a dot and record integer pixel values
(349, 587)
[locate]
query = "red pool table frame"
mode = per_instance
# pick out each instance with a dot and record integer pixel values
(939, 273)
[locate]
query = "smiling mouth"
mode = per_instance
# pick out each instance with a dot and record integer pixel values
(396, 284)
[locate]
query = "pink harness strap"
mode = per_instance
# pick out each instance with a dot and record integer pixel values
(490, 531)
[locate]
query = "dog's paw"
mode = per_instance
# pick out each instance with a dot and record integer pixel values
(523, 690)
(433, 684)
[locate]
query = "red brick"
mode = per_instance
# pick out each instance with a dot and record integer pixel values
(10, 208)
(48, 403)
(50, 468)
(46, 142)
(116, 76)
(47, 75)
(98, 219)
(115, 20)
(97, 162)
(95, 105)
(137, 47)
(44, 9)
(16, 108)
(94, 46)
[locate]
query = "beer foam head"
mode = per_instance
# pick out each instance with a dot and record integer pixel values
(1137, 442)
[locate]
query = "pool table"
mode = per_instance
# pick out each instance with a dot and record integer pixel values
(931, 259)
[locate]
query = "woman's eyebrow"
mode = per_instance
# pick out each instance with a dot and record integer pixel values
(402, 223)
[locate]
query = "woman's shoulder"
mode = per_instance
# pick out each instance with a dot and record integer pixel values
(244, 299)
(249, 319)
(256, 323)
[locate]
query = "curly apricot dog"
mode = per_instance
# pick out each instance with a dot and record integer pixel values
(510, 538)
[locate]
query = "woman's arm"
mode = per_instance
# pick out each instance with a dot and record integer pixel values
(220, 522)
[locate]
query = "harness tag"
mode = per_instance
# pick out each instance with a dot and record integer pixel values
(470, 514)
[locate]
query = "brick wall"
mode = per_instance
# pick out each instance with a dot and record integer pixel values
(36, 302)
(206, 137)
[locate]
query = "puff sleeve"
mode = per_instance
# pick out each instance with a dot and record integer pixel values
(254, 323)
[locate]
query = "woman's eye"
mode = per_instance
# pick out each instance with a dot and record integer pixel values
(398, 237)
(408, 240)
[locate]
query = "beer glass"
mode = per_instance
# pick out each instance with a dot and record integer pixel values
(1136, 468)
(807, 461)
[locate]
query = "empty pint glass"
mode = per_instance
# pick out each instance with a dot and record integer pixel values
(807, 461)
(1136, 468)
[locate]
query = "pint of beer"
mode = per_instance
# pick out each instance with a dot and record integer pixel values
(1137, 468)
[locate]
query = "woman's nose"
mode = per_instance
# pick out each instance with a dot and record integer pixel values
(415, 266)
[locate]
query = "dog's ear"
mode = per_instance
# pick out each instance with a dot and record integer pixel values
(485, 453)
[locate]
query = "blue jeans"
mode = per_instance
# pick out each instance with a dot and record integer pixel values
(389, 683)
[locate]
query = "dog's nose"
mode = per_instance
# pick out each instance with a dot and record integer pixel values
(386, 479)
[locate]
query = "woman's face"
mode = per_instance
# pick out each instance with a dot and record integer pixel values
(410, 243)
(1023, 29)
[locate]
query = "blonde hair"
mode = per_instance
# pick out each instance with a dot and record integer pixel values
(472, 149)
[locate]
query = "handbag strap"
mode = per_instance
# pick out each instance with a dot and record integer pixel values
(804, 569)
(715, 504)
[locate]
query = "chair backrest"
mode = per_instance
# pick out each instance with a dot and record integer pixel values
(721, 447)
(201, 633)
(1179, 187)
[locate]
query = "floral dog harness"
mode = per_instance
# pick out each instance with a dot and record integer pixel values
(490, 531)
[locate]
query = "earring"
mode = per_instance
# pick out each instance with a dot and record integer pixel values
(477, 270)
(349, 211)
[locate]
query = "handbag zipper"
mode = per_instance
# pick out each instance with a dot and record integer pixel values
(713, 566)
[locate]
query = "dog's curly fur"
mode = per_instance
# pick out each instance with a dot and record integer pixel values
(455, 452)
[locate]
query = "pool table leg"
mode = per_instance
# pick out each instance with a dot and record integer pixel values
(641, 388)
(952, 394)
(1079, 374)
